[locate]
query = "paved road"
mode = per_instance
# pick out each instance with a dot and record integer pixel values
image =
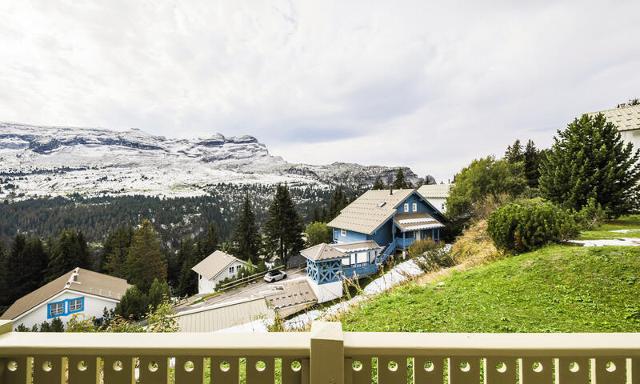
(255, 289)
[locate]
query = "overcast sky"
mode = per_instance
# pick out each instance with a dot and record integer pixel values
(414, 83)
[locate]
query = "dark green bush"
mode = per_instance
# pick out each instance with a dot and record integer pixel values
(526, 225)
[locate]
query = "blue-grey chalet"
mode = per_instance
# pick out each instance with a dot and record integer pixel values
(366, 232)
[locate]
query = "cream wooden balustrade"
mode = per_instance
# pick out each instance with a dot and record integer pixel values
(324, 355)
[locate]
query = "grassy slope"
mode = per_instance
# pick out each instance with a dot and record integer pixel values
(604, 232)
(555, 289)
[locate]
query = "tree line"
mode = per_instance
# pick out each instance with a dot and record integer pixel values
(589, 169)
(141, 255)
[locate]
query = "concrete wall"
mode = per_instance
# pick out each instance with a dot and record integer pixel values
(223, 316)
(326, 292)
(93, 307)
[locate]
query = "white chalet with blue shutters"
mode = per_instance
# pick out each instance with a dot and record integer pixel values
(368, 231)
(79, 292)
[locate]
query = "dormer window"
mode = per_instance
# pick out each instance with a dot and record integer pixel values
(406, 207)
(415, 207)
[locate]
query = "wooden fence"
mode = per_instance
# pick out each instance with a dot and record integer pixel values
(325, 355)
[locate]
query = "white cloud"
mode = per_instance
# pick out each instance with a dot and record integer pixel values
(409, 82)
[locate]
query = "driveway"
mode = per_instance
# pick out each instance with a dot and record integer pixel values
(256, 289)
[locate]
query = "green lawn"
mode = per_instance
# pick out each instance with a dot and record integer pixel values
(555, 289)
(631, 222)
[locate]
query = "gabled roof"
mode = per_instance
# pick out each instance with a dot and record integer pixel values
(80, 280)
(625, 118)
(215, 263)
(369, 211)
(435, 191)
(322, 251)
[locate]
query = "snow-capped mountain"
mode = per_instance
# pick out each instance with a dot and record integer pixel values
(53, 161)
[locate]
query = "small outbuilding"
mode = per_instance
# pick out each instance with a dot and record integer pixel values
(215, 268)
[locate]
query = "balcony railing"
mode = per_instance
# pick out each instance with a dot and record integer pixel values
(324, 355)
(404, 243)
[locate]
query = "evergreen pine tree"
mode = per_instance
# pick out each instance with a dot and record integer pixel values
(337, 203)
(531, 158)
(67, 252)
(56, 325)
(35, 260)
(115, 249)
(246, 239)
(158, 293)
(209, 243)
(283, 228)
(400, 181)
(187, 279)
(514, 153)
(133, 304)
(590, 160)
(378, 184)
(145, 261)
(4, 279)
(317, 215)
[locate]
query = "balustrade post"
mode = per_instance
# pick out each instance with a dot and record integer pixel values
(5, 327)
(327, 353)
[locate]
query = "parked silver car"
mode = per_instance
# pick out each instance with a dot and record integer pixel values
(274, 275)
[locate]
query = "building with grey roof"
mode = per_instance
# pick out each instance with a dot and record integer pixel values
(367, 232)
(627, 119)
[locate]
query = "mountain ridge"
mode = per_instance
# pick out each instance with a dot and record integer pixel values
(38, 160)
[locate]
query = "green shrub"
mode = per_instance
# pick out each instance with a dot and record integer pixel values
(591, 215)
(526, 225)
(317, 233)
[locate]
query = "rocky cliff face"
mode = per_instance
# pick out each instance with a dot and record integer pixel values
(41, 160)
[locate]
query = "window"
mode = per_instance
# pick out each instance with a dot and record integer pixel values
(346, 261)
(65, 307)
(343, 232)
(415, 207)
(361, 257)
(231, 270)
(55, 309)
(406, 207)
(76, 305)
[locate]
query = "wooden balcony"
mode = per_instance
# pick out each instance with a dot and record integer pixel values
(324, 355)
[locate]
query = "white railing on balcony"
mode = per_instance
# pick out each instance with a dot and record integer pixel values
(324, 355)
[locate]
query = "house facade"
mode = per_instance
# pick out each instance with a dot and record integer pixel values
(436, 195)
(365, 233)
(215, 268)
(79, 292)
(627, 119)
